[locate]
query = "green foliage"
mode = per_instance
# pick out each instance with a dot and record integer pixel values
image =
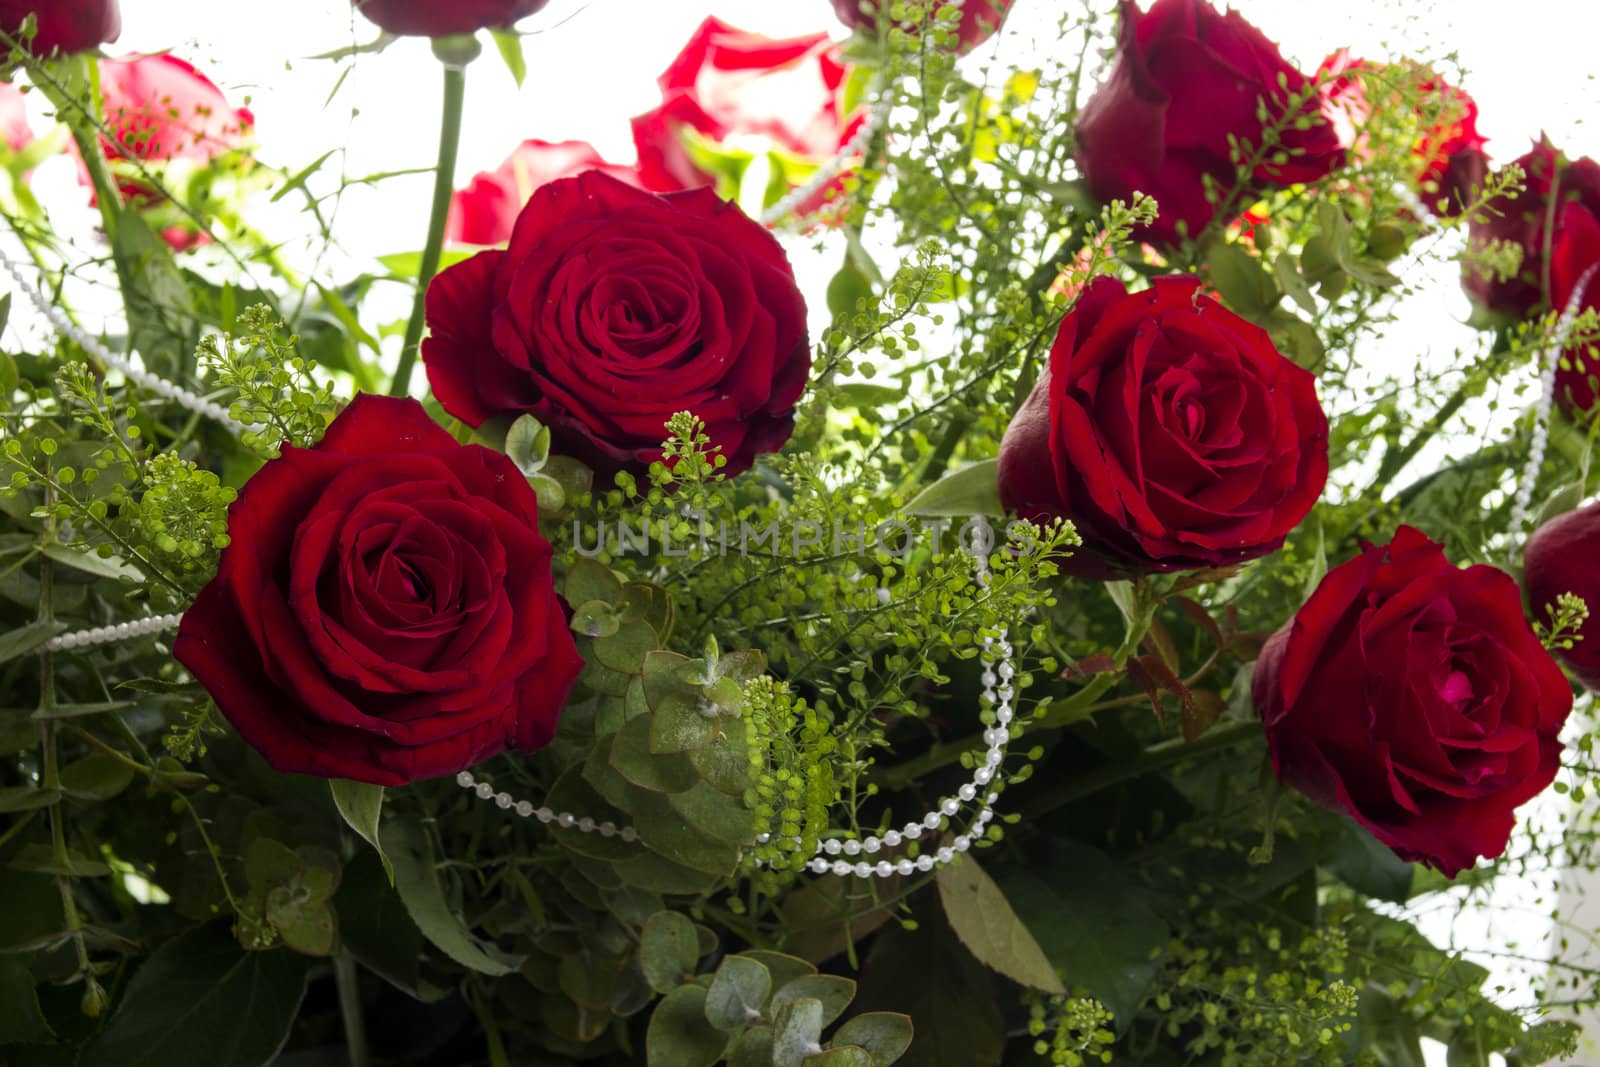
(278, 399)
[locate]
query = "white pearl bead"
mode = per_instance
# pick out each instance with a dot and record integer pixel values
(628, 833)
(831, 846)
(913, 831)
(983, 776)
(950, 806)
(924, 862)
(503, 801)
(904, 866)
(962, 843)
(608, 829)
(931, 820)
(870, 845)
(586, 824)
(565, 820)
(841, 868)
(852, 847)
(885, 868)
(967, 791)
(485, 790)
(891, 838)
(524, 808)
(820, 866)
(863, 869)
(545, 815)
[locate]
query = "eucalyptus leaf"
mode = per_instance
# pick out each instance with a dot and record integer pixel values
(738, 993)
(831, 992)
(669, 948)
(886, 1035)
(679, 1034)
(796, 1032)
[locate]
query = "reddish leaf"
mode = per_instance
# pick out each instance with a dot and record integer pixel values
(1201, 712)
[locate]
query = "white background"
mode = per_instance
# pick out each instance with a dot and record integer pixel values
(1530, 65)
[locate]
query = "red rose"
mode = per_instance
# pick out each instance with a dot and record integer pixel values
(1448, 148)
(385, 611)
(1186, 79)
(727, 84)
(485, 211)
(64, 25)
(441, 18)
(1169, 430)
(1563, 556)
(1413, 694)
(14, 128)
(979, 18)
(1522, 220)
(1575, 274)
(611, 309)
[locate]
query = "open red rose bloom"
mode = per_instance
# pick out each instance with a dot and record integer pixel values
(386, 610)
(611, 309)
(1414, 695)
(1169, 430)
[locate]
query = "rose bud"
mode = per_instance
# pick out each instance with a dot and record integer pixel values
(1563, 556)
(1169, 430)
(979, 18)
(1187, 80)
(63, 25)
(1413, 694)
(612, 309)
(485, 211)
(385, 611)
(442, 18)
(1522, 219)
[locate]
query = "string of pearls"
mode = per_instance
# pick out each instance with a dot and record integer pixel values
(105, 635)
(841, 856)
(1550, 360)
(136, 374)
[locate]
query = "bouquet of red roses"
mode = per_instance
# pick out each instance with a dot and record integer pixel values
(1064, 636)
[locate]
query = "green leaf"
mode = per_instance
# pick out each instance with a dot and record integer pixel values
(21, 1020)
(982, 918)
(24, 639)
(738, 993)
(200, 998)
(92, 563)
(957, 1018)
(76, 711)
(509, 44)
(972, 490)
(361, 804)
(1319, 564)
(668, 950)
(1094, 923)
(1287, 272)
(1241, 279)
(416, 878)
(657, 874)
(96, 777)
(1365, 864)
(840, 1056)
(376, 929)
(574, 792)
(17, 798)
(679, 1034)
(625, 649)
(528, 444)
(886, 1035)
(159, 304)
(833, 992)
(680, 725)
(41, 859)
(847, 288)
(405, 265)
(796, 1032)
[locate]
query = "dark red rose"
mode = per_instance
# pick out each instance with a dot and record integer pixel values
(485, 211)
(1185, 80)
(728, 84)
(1413, 694)
(64, 25)
(1575, 283)
(979, 18)
(1169, 430)
(441, 18)
(1563, 556)
(1550, 182)
(611, 309)
(385, 611)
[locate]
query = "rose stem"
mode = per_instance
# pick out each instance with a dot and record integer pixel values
(355, 1033)
(444, 177)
